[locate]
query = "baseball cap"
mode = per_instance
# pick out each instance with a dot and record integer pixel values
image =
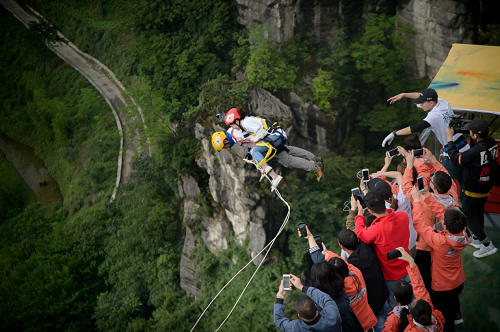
(380, 186)
(426, 95)
(478, 126)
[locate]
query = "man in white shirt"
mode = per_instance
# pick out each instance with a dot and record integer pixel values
(440, 114)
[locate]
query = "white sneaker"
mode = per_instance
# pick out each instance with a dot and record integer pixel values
(277, 181)
(474, 242)
(485, 251)
(264, 172)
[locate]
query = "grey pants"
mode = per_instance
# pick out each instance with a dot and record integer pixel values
(297, 158)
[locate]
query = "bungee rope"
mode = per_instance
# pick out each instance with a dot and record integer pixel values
(268, 247)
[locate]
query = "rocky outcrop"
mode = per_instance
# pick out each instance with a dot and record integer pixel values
(438, 24)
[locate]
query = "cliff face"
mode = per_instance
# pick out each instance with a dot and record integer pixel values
(438, 24)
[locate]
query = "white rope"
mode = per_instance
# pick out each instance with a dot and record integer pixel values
(268, 247)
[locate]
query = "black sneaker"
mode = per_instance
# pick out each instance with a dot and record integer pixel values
(319, 162)
(458, 319)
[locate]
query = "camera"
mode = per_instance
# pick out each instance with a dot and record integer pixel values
(458, 122)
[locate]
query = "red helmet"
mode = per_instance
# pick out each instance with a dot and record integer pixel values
(231, 115)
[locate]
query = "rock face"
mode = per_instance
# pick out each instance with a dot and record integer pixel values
(234, 188)
(439, 24)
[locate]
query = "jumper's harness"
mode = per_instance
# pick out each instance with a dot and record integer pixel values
(272, 129)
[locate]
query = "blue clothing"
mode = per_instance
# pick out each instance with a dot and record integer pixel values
(329, 317)
(259, 152)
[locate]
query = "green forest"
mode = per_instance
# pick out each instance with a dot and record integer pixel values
(95, 264)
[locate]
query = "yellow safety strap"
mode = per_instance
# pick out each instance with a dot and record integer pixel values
(271, 152)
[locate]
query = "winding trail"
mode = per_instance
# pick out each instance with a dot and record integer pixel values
(128, 115)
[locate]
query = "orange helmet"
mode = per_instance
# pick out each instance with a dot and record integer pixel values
(231, 115)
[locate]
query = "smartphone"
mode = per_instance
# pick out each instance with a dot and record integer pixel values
(366, 174)
(317, 238)
(286, 282)
(302, 229)
(393, 254)
(355, 192)
(393, 152)
(420, 183)
(418, 152)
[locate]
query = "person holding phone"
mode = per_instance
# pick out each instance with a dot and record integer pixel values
(354, 283)
(388, 231)
(310, 318)
(447, 272)
(414, 303)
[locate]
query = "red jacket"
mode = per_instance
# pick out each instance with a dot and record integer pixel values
(386, 233)
(358, 298)
(446, 249)
(393, 319)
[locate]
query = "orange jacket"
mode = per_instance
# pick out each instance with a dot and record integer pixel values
(446, 270)
(358, 299)
(428, 216)
(393, 319)
(439, 203)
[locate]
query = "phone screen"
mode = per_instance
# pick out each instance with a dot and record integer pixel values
(366, 174)
(420, 183)
(393, 152)
(418, 152)
(393, 254)
(302, 229)
(355, 192)
(286, 282)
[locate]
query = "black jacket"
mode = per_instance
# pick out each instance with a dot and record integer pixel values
(366, 261)
(474, 164)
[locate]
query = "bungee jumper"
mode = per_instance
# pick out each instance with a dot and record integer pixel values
(265, 140)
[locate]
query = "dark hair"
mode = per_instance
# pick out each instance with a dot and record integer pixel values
(442, 182)
(454, 220)
(324, 278)
(421, 312)
(414, 171)
(375, 202)
(369, 218)
(394, 203)
(242, 111)
(348, 239)
(403, 292)
(412, 142)
(341, 268)
(305, 307)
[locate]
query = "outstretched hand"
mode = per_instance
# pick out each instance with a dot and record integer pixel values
(405, 256)
(395, 98)
(429, 155)
(415, 194)
(281, 289)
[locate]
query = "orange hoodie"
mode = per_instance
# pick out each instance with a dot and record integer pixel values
(447, 271)
(358, 299)
(428, 216)
(393, 319)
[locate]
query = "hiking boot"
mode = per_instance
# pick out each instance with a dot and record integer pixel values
(458, 319)
(485, 250)
(264, 172)
(318, 172)
(319, 161)
(275, 182)
(473, 241)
